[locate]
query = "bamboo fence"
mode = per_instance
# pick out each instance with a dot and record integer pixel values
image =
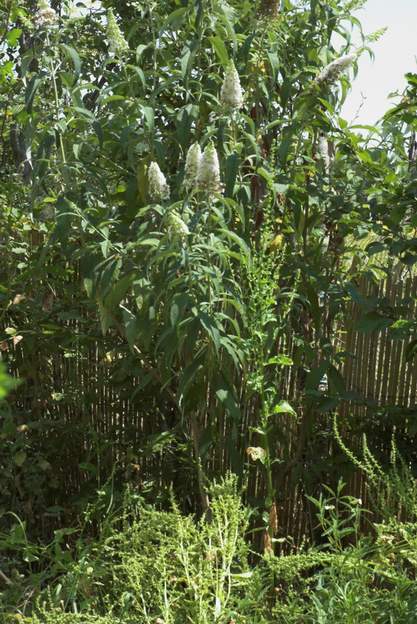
(98, 418)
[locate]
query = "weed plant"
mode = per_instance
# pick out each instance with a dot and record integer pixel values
(160, 567)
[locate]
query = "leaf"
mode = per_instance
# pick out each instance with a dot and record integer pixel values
(64, 212)
(99, 132)
(31, 90)
(85, 113)
(20, 458)
(13, 36)
(106, 319)
(227, 398)
(185, 63)
(148, 242)
(131, 327)
(176, 18)
(211, 329)
(87, 467)
(315, 376)
(7, 383)
(174, 314)
(113, 98)
(336, 381)
(243, 575)
(373, 321)
(139, 51)
(74, 57)
(244, 249)
(284, 407)
(313, 299)
(285, 145)
(88, 285)
(273, 59)
(220, 50)
(149, 115)
(118, 291)
(281, 188)
(235, 354)
(106, 274)
(157, 442)
(187, 377)
(232, 168)
(140, 73)
(280, 360)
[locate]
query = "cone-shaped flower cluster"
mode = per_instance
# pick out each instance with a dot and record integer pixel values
(202, 172)
(209, 171)
(323, 151)
(192, 165)
(158, 187)
(46, 16)
(333, 70)
(231, 94)
(176, 226)
(117, 42)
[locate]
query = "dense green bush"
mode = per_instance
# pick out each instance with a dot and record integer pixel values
(185, 219)
(210, 307)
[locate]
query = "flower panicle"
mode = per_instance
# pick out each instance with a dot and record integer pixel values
(158, 187)
(117, 43)
(192, 164)
(231, 94)
(209, 171)
(323, 151)
(176, 226)
(333, 70)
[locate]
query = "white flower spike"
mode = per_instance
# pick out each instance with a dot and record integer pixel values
(231, 94)
(323, 151)
(117, 42)
(158, 187)
(209, 171)
(333, 70)
(192, 164)
(176, 226)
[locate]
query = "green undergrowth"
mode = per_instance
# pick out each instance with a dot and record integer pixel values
(161, 567)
